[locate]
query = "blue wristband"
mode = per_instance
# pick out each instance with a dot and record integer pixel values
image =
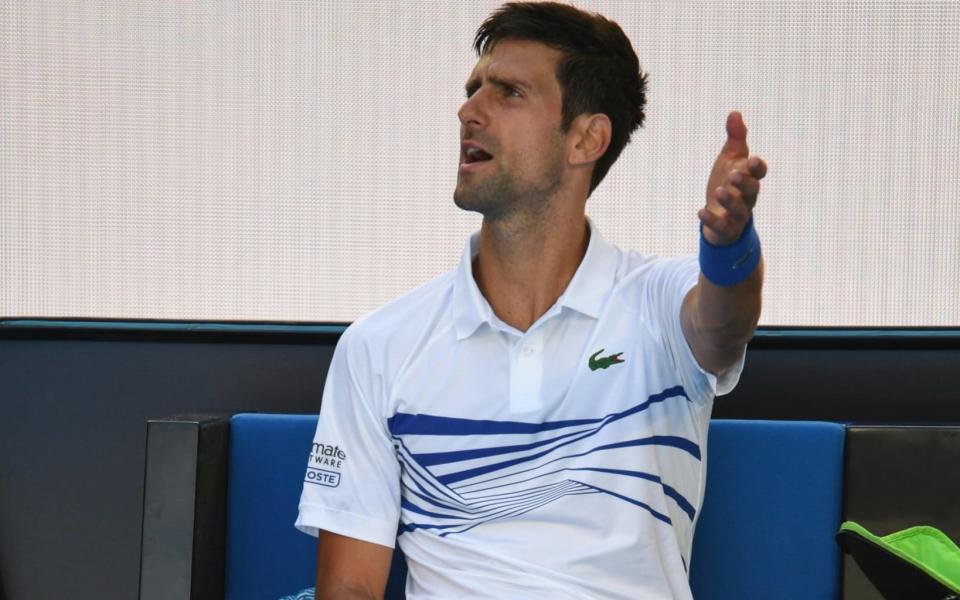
(729, 265)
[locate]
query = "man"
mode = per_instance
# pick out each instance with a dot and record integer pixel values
(532, 424)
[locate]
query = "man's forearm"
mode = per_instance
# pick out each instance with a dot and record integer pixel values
(723, 319)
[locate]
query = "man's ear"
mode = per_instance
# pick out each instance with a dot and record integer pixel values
(590, 139)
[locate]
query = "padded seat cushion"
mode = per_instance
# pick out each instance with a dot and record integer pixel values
(772, 508)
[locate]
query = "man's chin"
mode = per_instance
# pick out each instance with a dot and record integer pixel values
(466, 197)
(490, 198)
(464, 201)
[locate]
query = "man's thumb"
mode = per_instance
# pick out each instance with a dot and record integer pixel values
(736, 136)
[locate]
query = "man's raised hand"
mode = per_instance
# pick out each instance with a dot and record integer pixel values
(733, 186)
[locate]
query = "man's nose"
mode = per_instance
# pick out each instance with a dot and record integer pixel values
(471, 111)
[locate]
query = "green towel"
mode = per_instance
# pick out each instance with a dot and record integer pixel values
(924, 547)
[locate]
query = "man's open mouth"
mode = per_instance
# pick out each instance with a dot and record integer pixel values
(476, 155)
(473, 153)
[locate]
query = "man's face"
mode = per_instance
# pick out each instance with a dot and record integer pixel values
(512, 153)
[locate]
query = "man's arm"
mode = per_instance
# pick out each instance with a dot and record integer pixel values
(351, 569)
(718, 320)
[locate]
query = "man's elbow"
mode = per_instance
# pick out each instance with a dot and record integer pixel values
(721, 346)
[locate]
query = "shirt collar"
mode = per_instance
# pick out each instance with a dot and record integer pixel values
(591, 284)
(586, 292)
(470, 308)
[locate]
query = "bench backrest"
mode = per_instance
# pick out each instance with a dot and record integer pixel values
(772, 506)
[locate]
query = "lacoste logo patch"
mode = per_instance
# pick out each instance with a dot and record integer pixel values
(604, 361)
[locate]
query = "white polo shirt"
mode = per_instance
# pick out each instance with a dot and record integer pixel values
(566, 461)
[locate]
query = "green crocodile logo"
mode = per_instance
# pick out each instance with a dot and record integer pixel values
(604, 361)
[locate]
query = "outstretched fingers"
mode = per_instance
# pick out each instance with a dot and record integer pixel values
(726, 217)
(757, 167)
(744, 186)
(733, 186)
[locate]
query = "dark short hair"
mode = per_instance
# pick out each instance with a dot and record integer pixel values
(599, 71)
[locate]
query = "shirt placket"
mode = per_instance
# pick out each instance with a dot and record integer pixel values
(526, 372)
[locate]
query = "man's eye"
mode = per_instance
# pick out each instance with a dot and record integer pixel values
(513, 92)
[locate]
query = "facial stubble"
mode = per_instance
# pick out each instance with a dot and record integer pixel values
(504, 194)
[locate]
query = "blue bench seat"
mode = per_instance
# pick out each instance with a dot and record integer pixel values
(773, 504)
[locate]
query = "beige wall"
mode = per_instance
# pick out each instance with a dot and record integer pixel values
(296, 160)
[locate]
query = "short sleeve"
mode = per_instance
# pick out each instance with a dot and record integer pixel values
(352, 481)
(678, 277)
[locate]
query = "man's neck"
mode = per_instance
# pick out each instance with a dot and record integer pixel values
(524, 265)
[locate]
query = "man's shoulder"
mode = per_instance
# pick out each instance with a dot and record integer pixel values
(407, 316)
(634, 262)
(641, 270)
